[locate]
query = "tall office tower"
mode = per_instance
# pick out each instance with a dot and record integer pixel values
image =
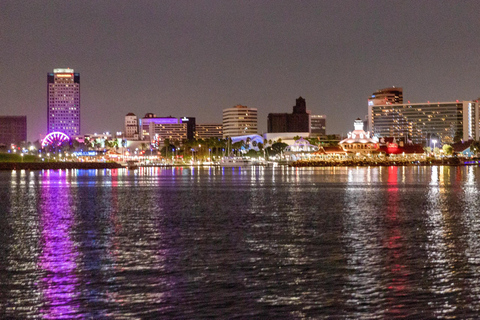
(131, 126)
(391, 95)
(318, 124)
(13, 129)
(63, 101)
(421, 123)
(239, 121)
(297, 121)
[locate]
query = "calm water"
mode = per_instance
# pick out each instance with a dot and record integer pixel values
(347, 243)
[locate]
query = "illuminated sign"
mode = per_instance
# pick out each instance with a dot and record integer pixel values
(184, 119)
(63, 70)
(85, 153)
(64, 75)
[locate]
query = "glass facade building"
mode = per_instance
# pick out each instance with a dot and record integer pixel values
(421, 122)
(63, 102)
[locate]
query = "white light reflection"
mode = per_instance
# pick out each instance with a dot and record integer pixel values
(20, 241)
(362, 246)
(439, 265)
(471, 208)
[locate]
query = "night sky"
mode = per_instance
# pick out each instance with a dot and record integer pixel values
(195, 58)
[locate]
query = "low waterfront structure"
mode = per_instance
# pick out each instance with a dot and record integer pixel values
(359, 142)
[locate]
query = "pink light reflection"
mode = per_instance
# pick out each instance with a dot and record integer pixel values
(58, 258)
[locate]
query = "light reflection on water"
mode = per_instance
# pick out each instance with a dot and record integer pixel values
(355, 243)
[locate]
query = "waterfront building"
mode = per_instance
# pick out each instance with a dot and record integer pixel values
(191, 126)
(63, 101)
(205, 131)
(297, 121)
(13, 130)
(422, 123)
(318, 125)
(359, 141)
(239, 120)
(151, 118)
(392, 95)
(131, 126)
(158, 132)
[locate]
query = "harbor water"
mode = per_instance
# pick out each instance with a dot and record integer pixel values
(241, 243)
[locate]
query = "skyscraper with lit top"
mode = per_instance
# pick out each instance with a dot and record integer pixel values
(63, 101)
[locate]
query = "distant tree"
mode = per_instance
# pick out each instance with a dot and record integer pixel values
(296, 138)
(278, 147)
(260, 146)
(458, 136)
(252, 154)
(448, 149)
(237, 146)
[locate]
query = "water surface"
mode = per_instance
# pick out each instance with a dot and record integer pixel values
(347, 243)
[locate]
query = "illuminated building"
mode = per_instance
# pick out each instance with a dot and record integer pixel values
(205, 131)
(131, 126)
(421, 122)
(391, 95)
(318, 124)
(239, 121)
(359, 141)
(151, 118)
(63, 101)
(13, 129)
(191, 126)
(297, 121)
(171, 131)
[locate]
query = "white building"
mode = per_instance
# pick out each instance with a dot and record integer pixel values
(359, 141)
(131, 126)
(239, 121)
(422, 122)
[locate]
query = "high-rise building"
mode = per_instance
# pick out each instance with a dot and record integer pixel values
(392, 95)
(239, 121)
(422, 122)
(190, 122)
(297, 121)
(205, 131)
(13, 129)
(63, 101)
(131, 126)
(318, 124)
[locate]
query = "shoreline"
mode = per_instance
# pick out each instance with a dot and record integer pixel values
(4, 166)
(364, 163)
(58, 165)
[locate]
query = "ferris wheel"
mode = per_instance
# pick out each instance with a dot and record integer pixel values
(55, 139)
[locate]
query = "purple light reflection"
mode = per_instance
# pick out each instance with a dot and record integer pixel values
(58, 257)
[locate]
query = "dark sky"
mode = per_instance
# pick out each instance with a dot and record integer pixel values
(195, 58)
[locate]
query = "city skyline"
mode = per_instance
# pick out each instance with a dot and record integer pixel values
(198, 58)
